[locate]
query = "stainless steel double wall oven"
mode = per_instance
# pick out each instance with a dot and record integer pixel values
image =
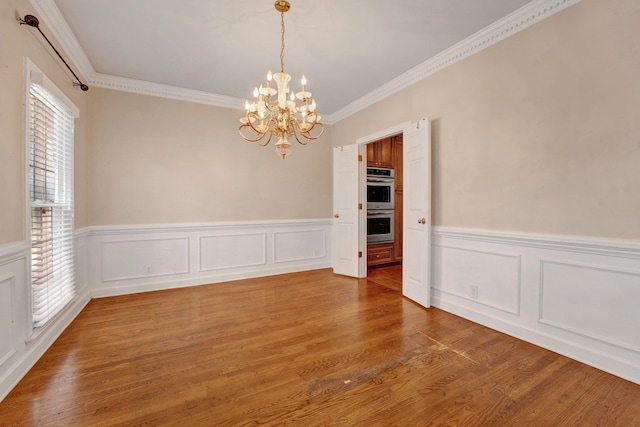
(380, 205)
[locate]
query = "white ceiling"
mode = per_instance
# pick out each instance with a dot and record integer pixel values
(346, 48)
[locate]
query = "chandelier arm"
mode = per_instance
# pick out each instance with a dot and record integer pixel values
(253, 128)
(257, 117)
(307, 133)
(313, 127)
(270, 106)
(295, 135)
(268, 141)
(260, 134)
(295, 131)
(256, 140)
(313, 117)
(248, 138)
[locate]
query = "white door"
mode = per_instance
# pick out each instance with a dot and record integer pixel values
(345, 210)
(416, 249)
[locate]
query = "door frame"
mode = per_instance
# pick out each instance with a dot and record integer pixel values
(362, 183)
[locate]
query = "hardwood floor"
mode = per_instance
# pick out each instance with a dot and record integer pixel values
(304, 349)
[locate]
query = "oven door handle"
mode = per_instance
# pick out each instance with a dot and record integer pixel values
(379, 213)
(390, 180)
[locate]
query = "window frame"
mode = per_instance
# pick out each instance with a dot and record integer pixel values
(34, 75)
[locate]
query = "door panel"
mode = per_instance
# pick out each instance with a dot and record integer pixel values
(416, 269)
(345, 209)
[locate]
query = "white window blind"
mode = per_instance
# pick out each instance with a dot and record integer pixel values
(50, 181)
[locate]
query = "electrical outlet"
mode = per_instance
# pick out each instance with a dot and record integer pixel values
(473, 291)
(147, 269)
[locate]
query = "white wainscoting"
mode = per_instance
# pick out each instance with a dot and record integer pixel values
(7, 317)
(129, 259)
(19, 348)
(576, 296)
(13, 312)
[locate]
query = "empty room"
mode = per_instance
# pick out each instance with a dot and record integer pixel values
(319, 213)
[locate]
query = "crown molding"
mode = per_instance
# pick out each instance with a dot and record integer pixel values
(165, 91)
(534, 12)
(511, 24)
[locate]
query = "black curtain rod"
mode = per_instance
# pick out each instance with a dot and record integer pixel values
(32, 21)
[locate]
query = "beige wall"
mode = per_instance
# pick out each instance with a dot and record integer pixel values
(16, 42)
(151, 160)
(538, 133)
(156, 161)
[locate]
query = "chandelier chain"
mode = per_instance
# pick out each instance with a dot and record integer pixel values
(282, 43)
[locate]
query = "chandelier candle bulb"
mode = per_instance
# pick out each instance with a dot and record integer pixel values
(281, 117)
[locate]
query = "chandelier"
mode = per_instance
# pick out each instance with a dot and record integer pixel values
(281, 113)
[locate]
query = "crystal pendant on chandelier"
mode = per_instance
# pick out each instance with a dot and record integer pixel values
(280, 112)
(283, 147)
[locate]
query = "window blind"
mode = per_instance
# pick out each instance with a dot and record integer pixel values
(50, 181)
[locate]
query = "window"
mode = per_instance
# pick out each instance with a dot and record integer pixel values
(49, 152)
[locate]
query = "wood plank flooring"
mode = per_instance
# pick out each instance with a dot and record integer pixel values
(304, 349)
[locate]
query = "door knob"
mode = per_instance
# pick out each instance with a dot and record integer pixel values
(336, 216)
(422, 221)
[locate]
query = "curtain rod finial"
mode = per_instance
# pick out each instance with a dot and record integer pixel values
(30, 20)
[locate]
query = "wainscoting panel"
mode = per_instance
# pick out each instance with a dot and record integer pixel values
(132, 259)
(299, 245)
(233, 251)
(489, 278)
(594, 301)
(7, 318)
(573, 295)
(13, 316)
(145, 257)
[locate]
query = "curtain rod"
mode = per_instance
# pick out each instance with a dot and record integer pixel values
(32, 21)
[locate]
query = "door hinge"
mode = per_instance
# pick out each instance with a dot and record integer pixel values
(360, 254)
(360, 206)
(359, 157)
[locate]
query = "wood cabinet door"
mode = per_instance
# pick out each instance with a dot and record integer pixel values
(380, 154)
(397, 162)
(385, 153)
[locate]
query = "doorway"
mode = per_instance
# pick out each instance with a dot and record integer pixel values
(349, 228)
(384, 204)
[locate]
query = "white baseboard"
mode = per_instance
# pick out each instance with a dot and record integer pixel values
(575, 296)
